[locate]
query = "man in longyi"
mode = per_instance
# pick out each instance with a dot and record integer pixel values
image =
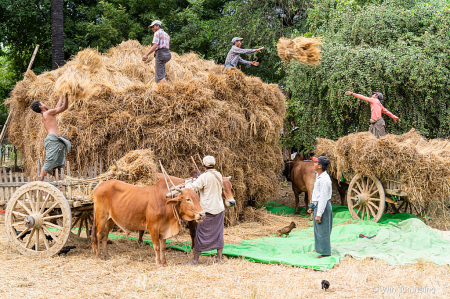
(377, 124)
(56, 146)
(209, 234)
(161, 48)
(323, 214)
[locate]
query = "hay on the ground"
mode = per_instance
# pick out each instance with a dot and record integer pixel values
(422, 165)
(116, 107)
(303, 49)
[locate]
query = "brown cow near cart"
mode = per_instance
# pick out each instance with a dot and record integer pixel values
(142, 208)
(302, 175)
(227, 197)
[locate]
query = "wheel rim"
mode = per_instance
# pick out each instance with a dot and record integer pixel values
(366, 195)
(38, 219)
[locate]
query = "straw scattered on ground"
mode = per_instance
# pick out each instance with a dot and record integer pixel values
(132, 273)
(116, 107)
(303, 49)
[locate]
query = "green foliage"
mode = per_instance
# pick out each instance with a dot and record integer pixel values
(399, 49)
(6, 83)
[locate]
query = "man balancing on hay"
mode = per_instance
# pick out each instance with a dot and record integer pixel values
(56, 146)
(233, 55)
(161, 48)
(323, 215)
(209, 234)
(377, 124)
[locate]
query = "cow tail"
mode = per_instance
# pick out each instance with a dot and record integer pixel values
(94, 231)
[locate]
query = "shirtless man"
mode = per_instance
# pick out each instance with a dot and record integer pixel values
(56, 146)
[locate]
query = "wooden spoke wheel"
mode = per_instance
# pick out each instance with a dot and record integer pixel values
(38, 219)
(82, 225)
(366, 195)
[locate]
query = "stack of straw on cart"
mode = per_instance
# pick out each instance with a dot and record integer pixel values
(303, 49)
(116, 107)
(422, 165)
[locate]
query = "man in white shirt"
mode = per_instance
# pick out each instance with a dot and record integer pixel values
(323, 214)
(209, 235)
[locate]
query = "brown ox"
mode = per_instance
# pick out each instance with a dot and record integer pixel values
(302, 175)
(227, 197)
(141, 208)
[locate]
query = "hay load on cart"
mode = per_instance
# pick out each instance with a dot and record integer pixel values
(406, 171)
(116, 107)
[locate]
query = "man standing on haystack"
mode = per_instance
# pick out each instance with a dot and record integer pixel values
(233, 55)
(56, 146)
(209, 234)
(323, 214)
(377, 124)
(161, 48)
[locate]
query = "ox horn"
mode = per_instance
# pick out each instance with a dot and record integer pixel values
(178, 189)
(172, 193)
(228, 177)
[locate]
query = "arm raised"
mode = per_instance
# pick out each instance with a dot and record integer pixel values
(62, 105)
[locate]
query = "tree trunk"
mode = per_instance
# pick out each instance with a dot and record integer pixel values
(57, 34)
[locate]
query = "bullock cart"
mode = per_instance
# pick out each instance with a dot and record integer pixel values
(41, 216)
(371, 197)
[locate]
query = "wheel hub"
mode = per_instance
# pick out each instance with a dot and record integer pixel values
(362, 198)
(34, 220)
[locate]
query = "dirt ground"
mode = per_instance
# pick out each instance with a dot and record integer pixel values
(132, 272)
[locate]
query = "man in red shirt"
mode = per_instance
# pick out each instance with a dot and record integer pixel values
(377, 124)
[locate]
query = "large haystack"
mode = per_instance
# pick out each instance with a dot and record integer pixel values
(116, 107)
(422, 165)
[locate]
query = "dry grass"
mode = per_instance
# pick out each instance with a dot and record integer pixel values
(116, 107)
(132, 273)
(422, 165)
(302, 49)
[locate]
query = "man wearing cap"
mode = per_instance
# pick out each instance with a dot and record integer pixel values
(323, 216)
(209, 234)
(233, 55)
(377, 124)
(161, 48)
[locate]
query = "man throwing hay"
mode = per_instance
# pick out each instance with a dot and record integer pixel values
(377, 124)
(323, 216)
(161, 48)
(209, 234)
(56, 146)
(233, 55)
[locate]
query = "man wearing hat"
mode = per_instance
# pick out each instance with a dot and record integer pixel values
(233, 55)
(209, 234)
(377, 124)
(161, 48)
(323, 216)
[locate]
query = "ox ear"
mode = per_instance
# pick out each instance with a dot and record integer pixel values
(173, 200)
(228, 177)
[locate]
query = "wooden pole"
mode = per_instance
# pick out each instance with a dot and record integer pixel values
(2, 135)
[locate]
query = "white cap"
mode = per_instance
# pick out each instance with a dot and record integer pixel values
(209, 161)
(235, 39)
(155, 22)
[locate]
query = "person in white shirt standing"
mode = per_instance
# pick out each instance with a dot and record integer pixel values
(160, 46)
(323, 214)
(209, 235)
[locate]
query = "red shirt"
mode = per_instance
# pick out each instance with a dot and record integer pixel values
(375, 107)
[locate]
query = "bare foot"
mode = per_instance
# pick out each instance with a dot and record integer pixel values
(192, 263)
(322, 256)
(218, 261)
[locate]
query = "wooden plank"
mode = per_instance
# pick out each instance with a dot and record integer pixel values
(29, 179)
(38, 167)
(17, 180)
(101, 165)
(396, 192)
(22, 177)
(85, 172)
(95, 169)
(11, 189)
(91, 170)
(68, 168)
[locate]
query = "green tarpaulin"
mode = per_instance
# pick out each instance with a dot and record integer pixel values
(400, 239)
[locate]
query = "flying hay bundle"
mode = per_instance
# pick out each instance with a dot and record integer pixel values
(422, 165)
(303, 49)
(116, 107)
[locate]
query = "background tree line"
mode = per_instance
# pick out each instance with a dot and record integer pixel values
(396, 47)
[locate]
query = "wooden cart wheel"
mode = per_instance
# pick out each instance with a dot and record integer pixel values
(82, 225)
(38, 219)
(366, 194)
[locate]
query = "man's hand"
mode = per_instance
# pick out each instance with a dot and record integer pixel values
(259, 50)
(396, 119)
(348, 93)
(309, 211)
(318, 219)
(144, 58)
(255, 63)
